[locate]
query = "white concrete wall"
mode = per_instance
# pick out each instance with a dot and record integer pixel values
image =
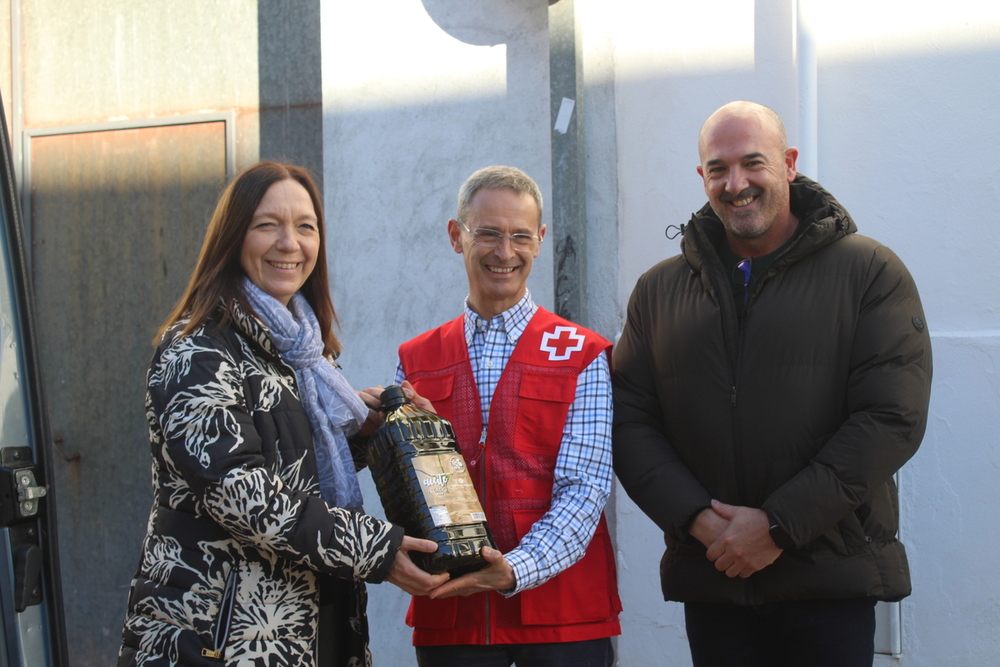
(909, 142)
(903, 131)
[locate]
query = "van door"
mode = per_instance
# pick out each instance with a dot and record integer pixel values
(32, 630)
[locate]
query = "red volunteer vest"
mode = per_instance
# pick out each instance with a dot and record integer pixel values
(513, 470)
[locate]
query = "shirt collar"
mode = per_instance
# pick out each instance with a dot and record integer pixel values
(512, 321)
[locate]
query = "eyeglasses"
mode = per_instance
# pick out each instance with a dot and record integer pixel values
(491, 238)
(742, 276)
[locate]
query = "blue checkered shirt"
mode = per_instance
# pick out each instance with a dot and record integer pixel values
(583, 467)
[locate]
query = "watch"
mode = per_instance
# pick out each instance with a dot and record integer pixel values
(779, 536)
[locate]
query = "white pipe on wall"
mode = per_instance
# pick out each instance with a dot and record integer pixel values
(805, 62)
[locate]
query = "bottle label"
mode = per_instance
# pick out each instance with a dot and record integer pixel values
(448, 489)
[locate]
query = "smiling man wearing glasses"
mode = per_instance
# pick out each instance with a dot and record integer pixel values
(529, 395)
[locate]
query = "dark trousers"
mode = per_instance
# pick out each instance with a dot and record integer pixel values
(592, 653)
(813, 633)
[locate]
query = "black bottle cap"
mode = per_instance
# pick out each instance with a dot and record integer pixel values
(392, 397)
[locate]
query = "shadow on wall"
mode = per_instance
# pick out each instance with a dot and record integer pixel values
(117, 223)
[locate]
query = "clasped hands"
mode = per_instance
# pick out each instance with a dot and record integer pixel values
(737, 538)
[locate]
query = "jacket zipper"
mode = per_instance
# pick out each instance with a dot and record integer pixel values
(740, 483)
(225, 618)
(736, 368)
(739, 355)
(749, 588)
(718, 287)
(482, 478)
(728, 311)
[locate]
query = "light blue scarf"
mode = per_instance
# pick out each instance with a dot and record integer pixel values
(334, 408)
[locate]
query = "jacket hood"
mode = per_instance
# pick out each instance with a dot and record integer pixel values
(825, 221)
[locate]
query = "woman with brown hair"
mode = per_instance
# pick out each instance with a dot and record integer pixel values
(257, 549)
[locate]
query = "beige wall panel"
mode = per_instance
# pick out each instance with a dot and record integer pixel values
(98, 60)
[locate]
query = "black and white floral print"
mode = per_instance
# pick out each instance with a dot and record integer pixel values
(238, 535)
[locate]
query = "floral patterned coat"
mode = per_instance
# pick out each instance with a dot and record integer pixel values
(239, 539)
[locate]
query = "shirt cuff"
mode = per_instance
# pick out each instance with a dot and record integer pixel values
(520, 562)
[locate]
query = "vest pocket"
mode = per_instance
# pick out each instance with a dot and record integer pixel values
(586, 592)
(437, 389)
(543, 402)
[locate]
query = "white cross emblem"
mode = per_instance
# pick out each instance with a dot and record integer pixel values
(560, 348)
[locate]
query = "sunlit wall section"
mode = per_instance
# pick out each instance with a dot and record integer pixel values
(418, 95)
(399, 58)
(908, 131)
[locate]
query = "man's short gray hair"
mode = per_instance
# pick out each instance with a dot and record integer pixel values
(497, 177)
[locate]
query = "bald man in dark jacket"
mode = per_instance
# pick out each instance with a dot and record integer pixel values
(769, 382)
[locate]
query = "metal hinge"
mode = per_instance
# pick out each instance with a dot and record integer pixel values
(20, 493)
(20, 501)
